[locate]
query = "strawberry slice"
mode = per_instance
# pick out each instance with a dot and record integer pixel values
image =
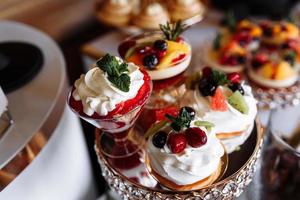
(218, 101)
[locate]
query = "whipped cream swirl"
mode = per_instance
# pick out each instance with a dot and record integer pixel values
(99, 95)
(231, 120)
(191, 166)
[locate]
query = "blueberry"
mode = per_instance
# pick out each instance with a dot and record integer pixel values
(150, 61)
(207, 88)
(189, 110)
(241, 59)
(236, 86)
(160, 45)
(159, 139)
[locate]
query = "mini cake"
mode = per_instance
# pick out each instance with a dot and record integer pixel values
(231, 47)
(184, 9)
(109, 91)
(184, 153)
(163, 55)
(227, 102)
(276, 69)
(115, 12)
(277, 33)
(150, 16)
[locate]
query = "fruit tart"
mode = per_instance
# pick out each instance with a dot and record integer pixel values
(150, 16)
(111, 94)
(115, 12)
(274, 69)
(184, 153)
(225, 101)
(277, 33)
(163, 54)
(232, 45)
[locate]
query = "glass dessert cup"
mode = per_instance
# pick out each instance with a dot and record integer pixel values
(241, 168)
(119, 135)
(168, 83)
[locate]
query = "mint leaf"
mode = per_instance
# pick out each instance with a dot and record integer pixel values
(183, 120)
(122, 82)
(219, 78)
(217, 41)
(116, 71)
(108, 64)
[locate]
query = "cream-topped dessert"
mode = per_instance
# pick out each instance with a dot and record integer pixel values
(184, 154)
(228, 103)
(150, 16)
(232, 45)
(184, 9)
(110, 90)
(274, 69)
(163, 54)
(115, 12)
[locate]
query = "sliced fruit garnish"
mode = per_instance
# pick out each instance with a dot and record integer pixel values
(155, 128)
(206, 124)
(176, 46)
(284, 71)
(166, 61)
(218, 101)
(237, 101)
(267, 70)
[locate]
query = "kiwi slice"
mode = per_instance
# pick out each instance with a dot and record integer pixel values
(237, 101)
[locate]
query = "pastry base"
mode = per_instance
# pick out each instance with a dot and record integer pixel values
(194, 186)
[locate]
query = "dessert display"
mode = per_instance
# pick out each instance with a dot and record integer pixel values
(274, 69)
(227, 102)
(150, 16)
(115, 12)
(184, 152)
(163, 54)
(232, 46)
(184, 9)
(278, 33)
(111, 96)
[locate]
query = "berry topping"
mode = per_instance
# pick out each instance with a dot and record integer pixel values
(195, 137)
(237, 87)
(160, 45)
(161, 54)
(259, 60)
(268, 31)
(190, 111)
(218, 101)
(159, 139)
(206, 71)
(145, 50)
(177, 142)
(234, 77)
(207, 88)
(150, 61)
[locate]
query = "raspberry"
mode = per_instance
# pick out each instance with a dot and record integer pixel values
(234, 77)
(177, 142)
(195, 137)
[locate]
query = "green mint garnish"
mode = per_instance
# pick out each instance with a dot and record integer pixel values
(116, 71)
(219, 78)
(172, 31)
(230, 21)
(217, 41)
(183, 120)
(206, 124)
(290, 56)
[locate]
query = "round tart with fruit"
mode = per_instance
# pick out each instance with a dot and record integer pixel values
(150, 16)
(110, 90)
(225, 101)
(232, 46)
(115, 12)
(163, 54)
(277, 33)
(276, 69)
(185, 9)
(183, 153)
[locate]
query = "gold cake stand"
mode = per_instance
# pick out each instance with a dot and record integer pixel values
(228, 187)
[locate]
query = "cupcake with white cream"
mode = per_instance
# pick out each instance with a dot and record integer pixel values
(227, 102)
(184, 153)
